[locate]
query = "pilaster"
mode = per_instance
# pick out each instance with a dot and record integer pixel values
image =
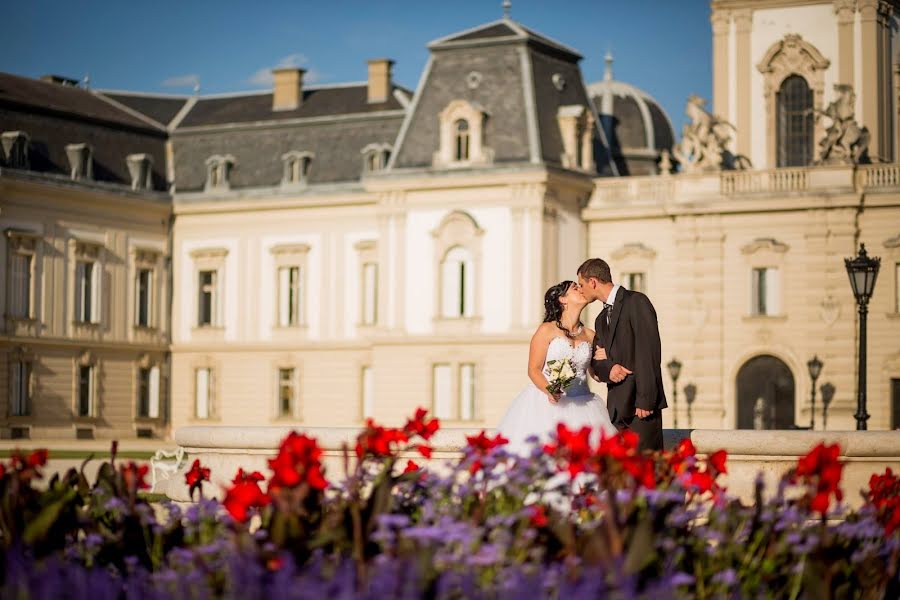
(743, 22)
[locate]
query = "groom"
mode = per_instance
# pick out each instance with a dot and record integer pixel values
(628, 331)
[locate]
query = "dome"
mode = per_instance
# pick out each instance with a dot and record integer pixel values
(637, 128)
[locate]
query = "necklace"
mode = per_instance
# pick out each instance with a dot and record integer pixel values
(579, 327)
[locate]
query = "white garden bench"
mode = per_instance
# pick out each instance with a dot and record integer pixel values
(163, 464)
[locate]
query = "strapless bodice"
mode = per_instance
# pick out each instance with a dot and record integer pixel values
(580, 357)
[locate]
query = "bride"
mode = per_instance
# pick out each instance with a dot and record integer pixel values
(536, 411)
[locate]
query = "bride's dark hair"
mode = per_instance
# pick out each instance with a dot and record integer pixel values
(553, 308)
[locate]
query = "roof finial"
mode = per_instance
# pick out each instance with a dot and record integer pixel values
(607, 73)
(507, 4)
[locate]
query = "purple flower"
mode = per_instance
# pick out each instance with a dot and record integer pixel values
(727, 577)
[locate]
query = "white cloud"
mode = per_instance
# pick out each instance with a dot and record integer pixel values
(263, 76)
(191, 81)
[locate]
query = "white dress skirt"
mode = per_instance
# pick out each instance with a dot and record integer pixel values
(532, 413)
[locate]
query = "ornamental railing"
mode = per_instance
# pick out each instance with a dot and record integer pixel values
(878, 176)
(761, 182)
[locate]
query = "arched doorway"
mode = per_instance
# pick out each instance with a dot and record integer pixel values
(765, 394)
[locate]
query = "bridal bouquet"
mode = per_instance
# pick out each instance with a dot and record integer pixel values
(561, 374)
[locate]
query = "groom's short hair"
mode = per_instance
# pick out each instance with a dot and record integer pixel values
(596, 268)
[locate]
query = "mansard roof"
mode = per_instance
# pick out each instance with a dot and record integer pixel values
(520, 78)
(161, 108)
(55, 115)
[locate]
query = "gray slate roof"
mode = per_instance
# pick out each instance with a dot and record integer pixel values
(54, 115)
(161, 109)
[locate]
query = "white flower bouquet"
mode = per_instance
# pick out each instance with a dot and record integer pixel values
(560, 374)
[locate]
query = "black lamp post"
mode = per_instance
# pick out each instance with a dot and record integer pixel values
(690, 392)
(827, 390)
(862, 271)
(815, 368)
(674, 370)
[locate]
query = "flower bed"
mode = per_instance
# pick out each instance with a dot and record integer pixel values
(572, 520)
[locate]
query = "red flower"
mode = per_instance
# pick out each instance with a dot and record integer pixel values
(424, 450)
(297, 462)
(820, 471)
(38, 458)
(419, 426)
(379, 441)
(717, 460)
(884, 494)
(196, 475)
(244, 494)
(701, 480)
(2, 470)
(573, 448)
(480, 445)
(410, 467)
(133, 476)
(537, 516)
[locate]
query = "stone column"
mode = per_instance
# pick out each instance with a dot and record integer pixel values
(743, 22)
(720, 20)
(845, 10)
(873, 18)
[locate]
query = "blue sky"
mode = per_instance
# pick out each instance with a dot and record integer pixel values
(662, 46)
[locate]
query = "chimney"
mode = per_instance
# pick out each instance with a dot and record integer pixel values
(288, 88)
(379, 80)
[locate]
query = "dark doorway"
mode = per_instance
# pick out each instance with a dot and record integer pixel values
(765, 394)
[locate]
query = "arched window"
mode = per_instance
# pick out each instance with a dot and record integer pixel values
(457, 283)
(461, 129)
(795, 122)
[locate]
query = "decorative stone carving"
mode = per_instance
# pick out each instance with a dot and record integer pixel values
(665, 162)
(704, 141)
(770, 244)
(474, 79)
(633, 249)
(845, 142)
(893, 242)
(829, 310)
(559, 82)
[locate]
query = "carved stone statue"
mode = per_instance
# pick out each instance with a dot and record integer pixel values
(845, 142)
(704, 141)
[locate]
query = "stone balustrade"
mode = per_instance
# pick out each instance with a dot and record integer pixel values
(672, 190)
(225, 449)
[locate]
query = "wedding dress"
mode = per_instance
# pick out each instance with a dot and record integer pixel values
(532, 413)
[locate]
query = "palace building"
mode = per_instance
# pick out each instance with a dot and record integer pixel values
(317, 255)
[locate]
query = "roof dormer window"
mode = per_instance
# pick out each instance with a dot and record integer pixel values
(140, 167)
(15, 149)
(218, 172)
(462, 136)
(81, 161)
(576, 126)
(376, 157)
(297, 166)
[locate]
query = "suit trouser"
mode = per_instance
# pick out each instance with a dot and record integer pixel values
(649, 430)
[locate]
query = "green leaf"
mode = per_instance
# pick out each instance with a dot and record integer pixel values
(41, 524)
(641, 549)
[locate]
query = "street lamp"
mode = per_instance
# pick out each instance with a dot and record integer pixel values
(815, 368)
(690, 392)
(827, 390)
(674, 370)
(862, 271)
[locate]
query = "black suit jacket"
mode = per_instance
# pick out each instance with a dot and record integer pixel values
(632, 340)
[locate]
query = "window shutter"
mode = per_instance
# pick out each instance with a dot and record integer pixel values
(370, 274)
(451, 288)
(153, 409)
(202, 393)
(773, 292)
(79, 291)
(469, 289)
(368, 392)
(96, 292)
(467, 391)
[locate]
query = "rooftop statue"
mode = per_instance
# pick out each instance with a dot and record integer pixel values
(845, 142)
(704, 141)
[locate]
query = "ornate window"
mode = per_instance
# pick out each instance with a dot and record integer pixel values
(290, 265)
(209, 265)
(458, 267)
(218, 172)
(794, 59)
(368, 260)
(204, 392)
(367, 389)
(576, 127)
(636, 261)
(21, 274)
(88, 282)
(15, 148)
(81, 161)
(147, 385)
(86, 386)
(635, 281)
(795, 121)
(297, 166)
(145, 283)
(376, 157)
(453, 391)
(462, 136)
(765, 257)
(20, 387)
(140, 167)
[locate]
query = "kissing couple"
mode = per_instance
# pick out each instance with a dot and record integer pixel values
(622, 351)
